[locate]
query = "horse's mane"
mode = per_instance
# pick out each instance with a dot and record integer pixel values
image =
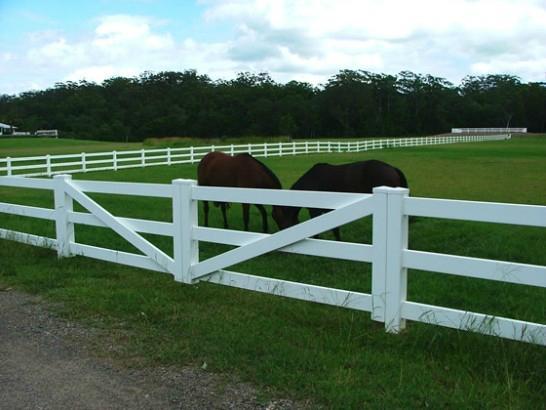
(265, 168)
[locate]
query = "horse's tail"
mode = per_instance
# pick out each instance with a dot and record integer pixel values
(403, 180)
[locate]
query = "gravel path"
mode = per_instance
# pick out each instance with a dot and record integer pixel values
(45, 364)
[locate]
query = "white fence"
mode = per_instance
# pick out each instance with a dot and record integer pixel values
(49, 165)
(388, 254)
(488, 130)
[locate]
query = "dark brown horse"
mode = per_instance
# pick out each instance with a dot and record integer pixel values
(242, 171)
(360, 177)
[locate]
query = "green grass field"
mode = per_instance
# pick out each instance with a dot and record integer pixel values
(28, 147)
(336, 357)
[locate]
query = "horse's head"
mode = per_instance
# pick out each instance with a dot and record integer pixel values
(285, 216)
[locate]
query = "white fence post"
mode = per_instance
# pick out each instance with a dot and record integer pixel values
(265, 149)
(115, 160)
(63, 205)
(169, 158)
(231, 150)
(142, 158)
(379, 258)
(48, 165)
(186, 249)
(84, 164)
(192, 159)
(8, 166)
(395, 275)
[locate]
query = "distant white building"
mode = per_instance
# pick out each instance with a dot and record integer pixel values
(47, 133)
(6, 129)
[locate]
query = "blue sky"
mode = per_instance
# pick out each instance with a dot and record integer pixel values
(48, 41)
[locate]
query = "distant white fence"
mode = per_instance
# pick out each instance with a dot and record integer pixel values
(388, 253)
(47, 133)
(49, 165)
(487, 130)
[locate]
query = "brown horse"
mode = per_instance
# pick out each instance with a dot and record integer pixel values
(360, 177)
(242, 171)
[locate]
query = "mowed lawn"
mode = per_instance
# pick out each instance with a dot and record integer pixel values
(30, 147)
(335, 357)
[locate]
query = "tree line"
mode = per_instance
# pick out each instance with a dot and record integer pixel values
(352, 103)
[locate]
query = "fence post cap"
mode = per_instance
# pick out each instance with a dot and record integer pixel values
(62, 176)
(390, 190)
(182, 181)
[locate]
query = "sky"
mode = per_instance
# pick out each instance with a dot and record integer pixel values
(47, 41)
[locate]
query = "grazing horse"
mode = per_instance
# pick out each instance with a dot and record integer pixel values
(359, 177)
(241, 171)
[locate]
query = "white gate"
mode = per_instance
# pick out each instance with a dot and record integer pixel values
(389, 253)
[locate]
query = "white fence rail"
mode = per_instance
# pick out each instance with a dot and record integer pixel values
(488, 130)
(49, 165)
(388, 254)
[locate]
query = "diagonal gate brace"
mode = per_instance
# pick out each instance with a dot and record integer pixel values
(348, 213)
(148, 249)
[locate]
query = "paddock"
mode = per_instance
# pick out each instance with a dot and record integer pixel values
(440, 229)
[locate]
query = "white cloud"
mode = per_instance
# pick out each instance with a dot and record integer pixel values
(448, 38)
(304, 40)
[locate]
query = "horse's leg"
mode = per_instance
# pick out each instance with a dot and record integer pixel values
(223, 205)
(246, 208)
(264, 217)
(206, 212)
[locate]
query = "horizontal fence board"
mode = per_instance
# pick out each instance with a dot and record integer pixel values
(30, 166)
(294, 290)
(65, 164)
(475, 322)
(185, 155)
(313, 247)
(130, 159)
(21, 182)
(109, 255)
(28, 239)
(510, 272)
(139, 225)
(24, 210)
(99, 161)
(125, 188)
(518, 214)
(326, 200)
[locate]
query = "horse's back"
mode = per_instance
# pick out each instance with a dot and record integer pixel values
(360, 177)
(254, 174)
(374, 173)
(242, 170)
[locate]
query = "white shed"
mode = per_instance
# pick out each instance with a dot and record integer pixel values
(6, 129)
